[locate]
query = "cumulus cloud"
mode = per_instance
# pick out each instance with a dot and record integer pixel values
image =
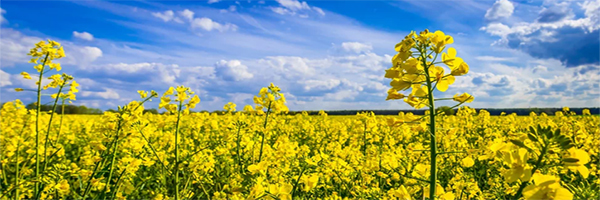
(139, 72)
(106, 94)
(494, 58)
(167, 16)
(356, 47)
(320, 84)
(556, 34)
(319, 10)
(531, 85)
(203, 23)
(293, 7)
(293, 4)
(500, 9)
(290, 66)
(16, 45)
(187, 14)
(4, 79)
(83, 35)
(209, 25)
(329, 79)
(81, 55)
(231, 8)
(555, 13)
(540, 68)
(232, 70)
(213, 1)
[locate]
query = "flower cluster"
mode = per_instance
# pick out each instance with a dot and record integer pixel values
(183, 93)
(270, 98)
(415, 67)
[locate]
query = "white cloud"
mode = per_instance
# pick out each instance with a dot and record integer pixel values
(83, 35)
(494, 58)
(554, 29)
(556, 12)
(341, 95)
(2, 19)
(81, 56)
(290, 66)
(213, 1)
(320, 84)
(204, 23)
(592, 14)
(319, 10)
(4, 79)
(292, 7)
(209, 25)
(497, 29)
(356, 47)
(282, 11)
(187, 14)
(107, 94)
(500, 9)
(232, 70)
(293, 4)
(167, 16)
(157, 73)
(540, 68)
(231, 8)
(15, 47)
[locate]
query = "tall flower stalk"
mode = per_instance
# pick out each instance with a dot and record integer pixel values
(414, 67)
(272, 99)
(46, 53)
(183, 94)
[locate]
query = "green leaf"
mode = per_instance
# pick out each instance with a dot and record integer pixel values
(561, 139)
(532, 137)
(566, 144)
(519, 143)
(532, 130)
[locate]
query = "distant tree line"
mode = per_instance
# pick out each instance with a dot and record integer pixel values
(73, 109)
(69, 109)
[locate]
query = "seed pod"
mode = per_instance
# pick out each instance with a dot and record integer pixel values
(570, 160)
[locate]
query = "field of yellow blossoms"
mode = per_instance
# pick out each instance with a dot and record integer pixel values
(261, 152)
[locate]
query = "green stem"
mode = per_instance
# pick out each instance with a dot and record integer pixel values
(538, 164)
(117, 184)
(432, 144)
(114, 157)
(297, 181)
(37, 128)
(89, 181)
(17, 172)
(176, 167)
(50, 126)
(264, 132)
(239, 157)
(62, 115)
(153, 149)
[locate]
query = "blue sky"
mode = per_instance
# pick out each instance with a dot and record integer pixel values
(326, 55)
